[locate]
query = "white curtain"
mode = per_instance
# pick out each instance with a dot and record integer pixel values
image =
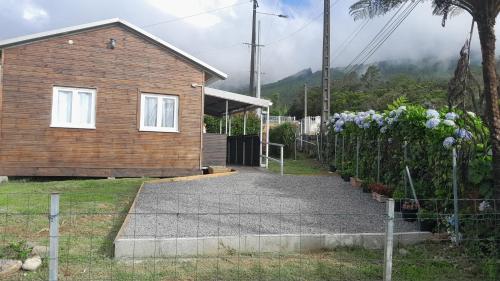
(85, 108)
(168, 113)
(150, 111)
(64, 101)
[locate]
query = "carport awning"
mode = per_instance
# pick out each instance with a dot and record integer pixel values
(215, 102)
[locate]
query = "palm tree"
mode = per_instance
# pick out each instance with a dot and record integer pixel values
(484, 13)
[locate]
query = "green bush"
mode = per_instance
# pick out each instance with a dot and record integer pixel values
(283, 134)
(253, 123)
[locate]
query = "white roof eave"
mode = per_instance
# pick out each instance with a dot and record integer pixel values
(237, 97)
(68, 30)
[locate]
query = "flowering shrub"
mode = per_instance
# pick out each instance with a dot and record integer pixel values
(413, 136)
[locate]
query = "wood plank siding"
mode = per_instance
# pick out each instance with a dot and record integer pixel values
(30, 147)
(214, 150)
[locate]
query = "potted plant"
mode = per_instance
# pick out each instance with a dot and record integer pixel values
(332, 167)
(346, 175)
(398, 195)
(409, 210)
(356, 182)
(365, 187)
(428, 220)
(380, 192)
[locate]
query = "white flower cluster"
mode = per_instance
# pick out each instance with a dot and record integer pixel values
(367, 119)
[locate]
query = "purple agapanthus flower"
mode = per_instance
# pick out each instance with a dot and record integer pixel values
(432, 123)
(449, 122)
(463, 134)
(451, 116)
(448, 142)
(432, 113)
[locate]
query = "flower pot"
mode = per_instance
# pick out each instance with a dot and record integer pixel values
(397, 205)
(366, 189)
(409, 215)
(379, 197)
(428, 225)
(333, 168)
(346, 178)
(355, 182)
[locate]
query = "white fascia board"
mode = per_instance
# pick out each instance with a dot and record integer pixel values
(237, 97)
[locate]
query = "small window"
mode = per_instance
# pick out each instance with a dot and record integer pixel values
(73, 108)
(159, 113)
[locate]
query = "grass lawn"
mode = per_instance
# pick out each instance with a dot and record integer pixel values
(302, 166)
(93, 210)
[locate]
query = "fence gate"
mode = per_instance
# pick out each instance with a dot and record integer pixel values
(243, 150)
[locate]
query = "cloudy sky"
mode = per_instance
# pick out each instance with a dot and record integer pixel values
(217, 37)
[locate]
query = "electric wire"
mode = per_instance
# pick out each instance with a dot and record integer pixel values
(389, 35)
(384, 34)
(313, 19)
(377, 36)
(343, 46)
(197, 14)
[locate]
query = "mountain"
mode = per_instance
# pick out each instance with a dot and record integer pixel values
(427, 69)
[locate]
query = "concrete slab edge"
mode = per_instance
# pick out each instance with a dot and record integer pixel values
(141, 248)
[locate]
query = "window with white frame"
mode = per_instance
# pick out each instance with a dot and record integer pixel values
(73, 108)
(159, 113)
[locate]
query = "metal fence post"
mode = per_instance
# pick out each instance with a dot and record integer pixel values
(317, 146)
(357, 157)
(343, 152)
(405, 161)
(389, 241)
(455, 195)
(378, 160)
(295, 148)
(335, 150)
(281, 160)
(54, 236)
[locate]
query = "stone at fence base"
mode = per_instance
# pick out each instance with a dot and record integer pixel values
(41, 251)
(4, 179)
(8, 267)
(32, 264)
(403, 252)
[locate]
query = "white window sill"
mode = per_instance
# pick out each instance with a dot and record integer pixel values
(66, 126)
(158, 130)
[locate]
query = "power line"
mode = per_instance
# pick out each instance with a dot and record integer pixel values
(390, 27)
(302, 27)
(197, 14)
(343, 46)
(376, 37)
(391, 32)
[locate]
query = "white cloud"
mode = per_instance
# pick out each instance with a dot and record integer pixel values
(33, 13)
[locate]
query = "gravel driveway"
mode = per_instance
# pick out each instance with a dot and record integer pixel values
(254, 201)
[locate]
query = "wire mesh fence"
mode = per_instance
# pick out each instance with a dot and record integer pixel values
(165, 235)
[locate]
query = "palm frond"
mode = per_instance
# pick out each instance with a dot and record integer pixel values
(371, 8)
(447, 8)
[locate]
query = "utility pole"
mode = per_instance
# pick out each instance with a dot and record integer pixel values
(259, 61)
(325, 81)
(259, 68)
(305, 100)
(306, 122)
(252, 56)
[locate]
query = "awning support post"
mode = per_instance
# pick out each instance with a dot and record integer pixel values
(267, 138)
(260, 136)
(245, 123)
(227, 114)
